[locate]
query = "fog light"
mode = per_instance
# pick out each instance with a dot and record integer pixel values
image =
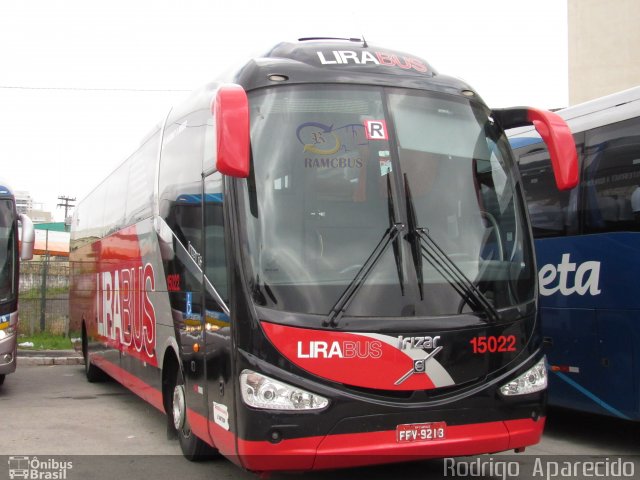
(275, 436)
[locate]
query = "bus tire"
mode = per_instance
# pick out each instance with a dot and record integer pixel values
(2, 378)
(193, 448)
(92, 372)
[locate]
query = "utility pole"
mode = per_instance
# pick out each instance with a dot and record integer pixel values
(66, 203)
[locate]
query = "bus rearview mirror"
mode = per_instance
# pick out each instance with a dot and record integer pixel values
(556, 135)
(231, 112)
(27, 238)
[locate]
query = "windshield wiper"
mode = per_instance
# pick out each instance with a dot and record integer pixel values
(433, 253)
(413, 238)
(469, 292)
(343, 302)
(390, 235)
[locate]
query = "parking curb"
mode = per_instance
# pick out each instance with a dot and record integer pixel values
(49, 357)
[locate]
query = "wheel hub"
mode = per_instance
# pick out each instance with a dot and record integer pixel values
(179, 412)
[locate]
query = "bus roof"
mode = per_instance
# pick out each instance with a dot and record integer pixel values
(328, 61)
(350, 61)
(594, 113)
(5, 189)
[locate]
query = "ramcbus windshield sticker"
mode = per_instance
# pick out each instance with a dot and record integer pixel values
(331, 146)
(350, 57)
(367, 360)
(318, 138)
(126, 317)
(375, 129)
(329, 139)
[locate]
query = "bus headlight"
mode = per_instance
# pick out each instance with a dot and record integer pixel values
(260, 391)
(531, 381)
(6, 331)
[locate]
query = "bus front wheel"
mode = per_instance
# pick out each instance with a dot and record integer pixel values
(193, 448)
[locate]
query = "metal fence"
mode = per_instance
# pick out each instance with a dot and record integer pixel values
(44, 297)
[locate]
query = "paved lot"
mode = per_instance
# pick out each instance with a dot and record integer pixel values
(52, 412)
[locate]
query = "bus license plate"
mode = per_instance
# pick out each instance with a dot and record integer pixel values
(421, 432)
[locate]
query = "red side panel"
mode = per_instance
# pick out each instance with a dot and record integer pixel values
(133, 383)
(126, 318)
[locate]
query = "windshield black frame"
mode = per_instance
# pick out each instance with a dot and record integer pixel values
(401, 296)
(8, 251)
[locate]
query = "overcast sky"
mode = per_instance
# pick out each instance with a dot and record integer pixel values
(81, 82)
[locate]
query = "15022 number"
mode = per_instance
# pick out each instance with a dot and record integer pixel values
(493, 344)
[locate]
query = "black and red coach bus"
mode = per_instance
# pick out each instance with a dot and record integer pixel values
(323, 261)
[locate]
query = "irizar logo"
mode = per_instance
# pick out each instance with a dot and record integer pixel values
(569, 278)
(421, 343)
(419, 365)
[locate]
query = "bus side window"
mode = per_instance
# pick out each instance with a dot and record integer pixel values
(180, 178)
(116, 199)
(139, 171)
(180, 204)
(553, 212)
(215, 257)
(611, 187)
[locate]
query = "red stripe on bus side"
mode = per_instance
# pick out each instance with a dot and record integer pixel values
(133, 383)
(224, 440)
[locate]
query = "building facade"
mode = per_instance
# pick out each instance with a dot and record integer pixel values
(604, 47)
(24, 202)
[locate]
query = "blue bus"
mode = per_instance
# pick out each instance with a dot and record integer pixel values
(588, 253)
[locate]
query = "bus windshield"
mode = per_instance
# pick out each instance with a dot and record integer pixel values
(336, 170)
(7, 251)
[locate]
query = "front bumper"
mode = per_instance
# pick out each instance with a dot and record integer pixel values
(8, 352)
(371, 448)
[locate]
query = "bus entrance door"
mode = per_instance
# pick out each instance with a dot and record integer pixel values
(217, 331)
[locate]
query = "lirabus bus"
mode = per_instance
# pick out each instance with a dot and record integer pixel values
(9, 274)
(324, 263)
(588, 257)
